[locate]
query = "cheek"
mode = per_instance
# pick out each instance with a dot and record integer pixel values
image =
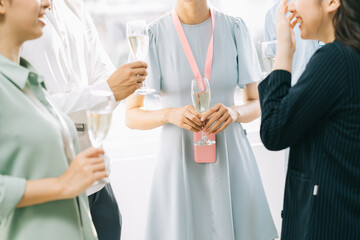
(310, 26)
(313, 19)
(28, 26)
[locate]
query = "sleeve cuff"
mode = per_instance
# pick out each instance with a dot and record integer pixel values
(12, 190)
(103, 86)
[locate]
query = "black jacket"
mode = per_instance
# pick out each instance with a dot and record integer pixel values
(319, 119)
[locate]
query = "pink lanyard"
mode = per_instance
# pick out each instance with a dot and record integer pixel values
(188, 52)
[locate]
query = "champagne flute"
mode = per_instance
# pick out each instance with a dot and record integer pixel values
(137, 34)
(201, 96)
(99, 121)
(268, 52)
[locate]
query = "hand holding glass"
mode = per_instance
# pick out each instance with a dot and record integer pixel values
(201, 96)
(137, 34)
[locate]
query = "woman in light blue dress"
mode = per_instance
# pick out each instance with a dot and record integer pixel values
(193, 201)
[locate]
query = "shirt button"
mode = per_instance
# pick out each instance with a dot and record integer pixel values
(62, 33)
(32, 75)
(33, 78)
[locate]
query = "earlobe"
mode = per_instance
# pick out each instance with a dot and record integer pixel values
(2, 8)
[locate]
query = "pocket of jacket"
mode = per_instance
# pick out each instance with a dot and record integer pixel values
(298, 204)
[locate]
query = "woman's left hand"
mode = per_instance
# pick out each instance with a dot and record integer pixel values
(218, 118)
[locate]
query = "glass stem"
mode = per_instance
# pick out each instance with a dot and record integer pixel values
(203, 135)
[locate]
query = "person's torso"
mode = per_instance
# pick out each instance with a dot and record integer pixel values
(176, 74)
(32, 148)
(322, 186)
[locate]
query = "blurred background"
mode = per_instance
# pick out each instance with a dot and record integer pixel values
(132, 152)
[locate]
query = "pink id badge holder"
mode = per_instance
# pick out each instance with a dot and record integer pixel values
(207, 153)
(204, 154)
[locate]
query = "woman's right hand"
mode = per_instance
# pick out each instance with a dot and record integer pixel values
(84, 170)
(186, 117)
(286, 37)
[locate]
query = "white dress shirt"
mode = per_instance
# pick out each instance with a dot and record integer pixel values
(73, 62)
(70, 56)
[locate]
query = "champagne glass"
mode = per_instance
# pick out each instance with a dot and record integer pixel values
(99, 118)
(137, 34)
(99, 121)
(201, 96)
(268, 52)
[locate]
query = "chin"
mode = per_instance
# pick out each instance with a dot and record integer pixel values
(304, 36)
(35, 34)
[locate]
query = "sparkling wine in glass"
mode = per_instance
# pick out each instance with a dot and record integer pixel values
(268, 53)
(201, 96)
(139, 46)
(99, 124)
(137, 34)
(99, 121)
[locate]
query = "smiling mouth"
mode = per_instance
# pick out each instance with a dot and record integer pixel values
(299, 20)
(42, 21)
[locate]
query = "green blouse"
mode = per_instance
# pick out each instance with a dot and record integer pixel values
(31, 147)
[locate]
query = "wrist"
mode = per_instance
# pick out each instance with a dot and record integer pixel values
(166, 119)
(235, 114)
(111, 88)
(283, 60)
(61, 188)
(285, 52)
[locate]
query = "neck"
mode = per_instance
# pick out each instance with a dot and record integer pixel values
(9, 46)
(192, 12)
(328, 35)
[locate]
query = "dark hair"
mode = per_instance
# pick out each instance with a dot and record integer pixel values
(347, 23)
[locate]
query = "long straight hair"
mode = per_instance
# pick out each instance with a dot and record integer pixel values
(347, 23)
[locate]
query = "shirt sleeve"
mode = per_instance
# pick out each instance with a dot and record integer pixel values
(42, 53)
(289, 113)
(101, 66)
(248, 62)
(80, 99)
(153, 80)
(12, 190)
(270, 27)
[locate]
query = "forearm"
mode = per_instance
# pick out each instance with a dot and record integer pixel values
(138, 118)
(248, 111)
(283, 60)
(41, 191)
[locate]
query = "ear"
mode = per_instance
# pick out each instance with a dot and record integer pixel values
(2, 7)
(333, 5)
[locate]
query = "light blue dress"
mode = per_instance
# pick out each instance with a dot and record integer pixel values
(190, 201)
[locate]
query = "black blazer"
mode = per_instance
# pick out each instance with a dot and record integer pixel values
(319, 119)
